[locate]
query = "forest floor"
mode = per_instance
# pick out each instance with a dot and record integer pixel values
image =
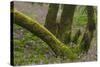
(29, 49)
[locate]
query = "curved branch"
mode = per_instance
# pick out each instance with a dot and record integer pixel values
(34, 27)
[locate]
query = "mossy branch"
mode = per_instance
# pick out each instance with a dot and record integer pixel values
(34, 27)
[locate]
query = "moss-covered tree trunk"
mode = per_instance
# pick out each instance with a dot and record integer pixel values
(50, 22)
(88, 35)
(64, 29)
(34, 27)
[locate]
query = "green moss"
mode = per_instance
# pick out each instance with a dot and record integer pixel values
(68, 53)
(40, 31)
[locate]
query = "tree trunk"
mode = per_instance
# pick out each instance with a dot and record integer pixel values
(64, 29)
(34, 27)
(50, 22)
(88, 35)
(61, 30)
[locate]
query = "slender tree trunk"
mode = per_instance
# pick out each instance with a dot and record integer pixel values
(50, 22)
(88, 35)
(34, 27)
(91, 20)
(64, 30)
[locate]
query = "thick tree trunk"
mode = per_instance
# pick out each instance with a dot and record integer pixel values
(88, 35)
(50, 22)
(64, 29)
(33, 26)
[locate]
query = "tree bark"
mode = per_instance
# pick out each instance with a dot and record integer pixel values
(88, 35)
(50, 22)
(34, 27)
(64, 29)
